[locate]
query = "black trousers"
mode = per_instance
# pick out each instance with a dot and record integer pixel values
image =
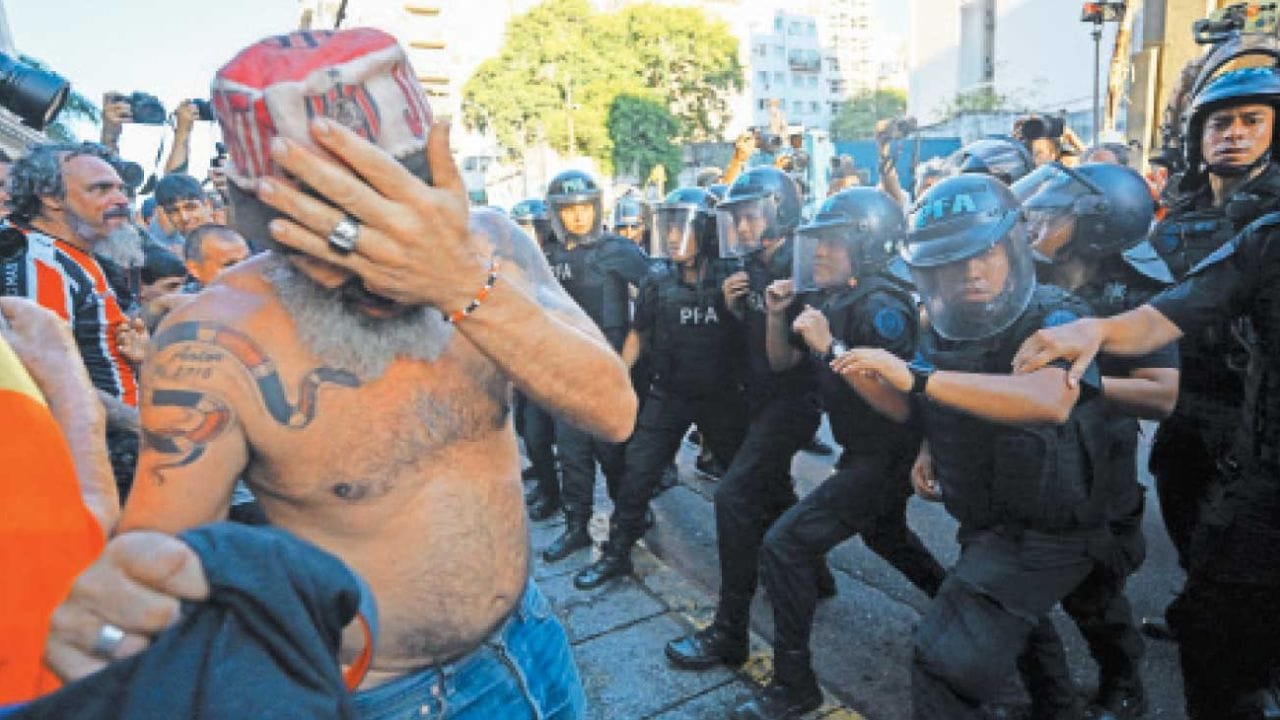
(579, 453)
(1184, 468)
(1229, 646)
(989, 620)
(754, 491)
(866, 495)
(538, 428)
(664, 419)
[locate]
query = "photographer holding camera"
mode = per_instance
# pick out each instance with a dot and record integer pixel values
(144, 109)
(1047, 138)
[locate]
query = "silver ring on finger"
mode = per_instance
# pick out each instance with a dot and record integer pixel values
(108, 640)
(344, 235)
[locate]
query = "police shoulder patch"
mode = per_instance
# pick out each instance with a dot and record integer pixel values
(890, 322)
(1060, 317)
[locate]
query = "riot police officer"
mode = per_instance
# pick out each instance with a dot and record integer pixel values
(1012, 456)
(631, 220)
(1084, 226)
(534, 424)
(1224, 618)
(755, 222)
(533, 217)
(1005, 159)
(597, 271)
(841, 267)
(1230, 182)
(695, 351)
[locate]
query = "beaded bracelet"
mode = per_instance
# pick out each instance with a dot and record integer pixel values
(456, 316)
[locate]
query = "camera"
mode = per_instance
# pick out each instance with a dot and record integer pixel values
(32, 94)
(144, 109)
(204, 110)
(1238, 18)
(1034, 127)
(220, 155)
(895, 128)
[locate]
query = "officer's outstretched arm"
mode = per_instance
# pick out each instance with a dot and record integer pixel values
(1145, 393)
(1041, 397)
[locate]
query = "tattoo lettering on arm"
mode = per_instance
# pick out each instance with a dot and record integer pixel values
(212, 339)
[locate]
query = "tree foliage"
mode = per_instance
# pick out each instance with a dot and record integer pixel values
(983, 99)
(858, 115)
(563, 60)
(641, 129)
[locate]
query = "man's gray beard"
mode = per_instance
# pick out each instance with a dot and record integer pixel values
(122, 246)
(344, 338)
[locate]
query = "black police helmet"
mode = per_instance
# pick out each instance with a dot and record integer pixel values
(573, 187)
(628, 211)
(532, 209)
(769, 182)
(1237, 87)
(695, 205)
(959, 217)
(1003, 158)
(870, 221)
(1122, 216)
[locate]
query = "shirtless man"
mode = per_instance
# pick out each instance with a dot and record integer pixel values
(365, 423)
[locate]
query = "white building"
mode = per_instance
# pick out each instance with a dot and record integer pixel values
(847, 29)
(1035, 52)
(789, 64)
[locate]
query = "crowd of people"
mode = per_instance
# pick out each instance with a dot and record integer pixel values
(325, 345)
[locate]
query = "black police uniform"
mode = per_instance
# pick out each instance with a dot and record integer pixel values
(1229, 639)
(1189, 444)
(1099, 605)
(598, 277)
(868, 492)
(1033, 526)
(695, 349)
(757, 487)
(537, 427)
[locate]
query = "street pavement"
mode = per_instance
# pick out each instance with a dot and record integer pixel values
(862, 637)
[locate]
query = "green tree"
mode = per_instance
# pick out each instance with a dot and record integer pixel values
(641, 129)
(563, 65)
(859, 114)
(687, 57)
(983, 99)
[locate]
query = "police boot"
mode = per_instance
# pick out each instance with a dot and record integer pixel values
(574, 538)
(707, 648)
(793, 691)
(543, 507)
(614, 562)
(1118, 700)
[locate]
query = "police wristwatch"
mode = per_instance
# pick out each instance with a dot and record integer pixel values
(920, 374)
(837, 349)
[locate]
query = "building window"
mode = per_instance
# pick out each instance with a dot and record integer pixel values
(763, 77)
(835, 108)
(778, 77)
(797, 107)
(797, 81)
(813, 107)
(813, 81)
(762, 50)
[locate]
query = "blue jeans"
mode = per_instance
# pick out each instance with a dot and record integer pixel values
(524, 669)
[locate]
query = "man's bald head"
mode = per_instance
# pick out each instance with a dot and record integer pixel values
(210, 249)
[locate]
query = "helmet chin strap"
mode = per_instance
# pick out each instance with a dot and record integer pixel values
(1234, 171)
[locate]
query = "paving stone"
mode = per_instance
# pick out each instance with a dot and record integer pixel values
(626, 675)
(610, 606)
(713, 705)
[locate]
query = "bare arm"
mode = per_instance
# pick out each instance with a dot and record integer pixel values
(193, 447)
(43, 342)
(1136, 332)
(180, 153)
(632, 347)
(418, 245)
(742, 149)
(119, 416)
(1147, 393)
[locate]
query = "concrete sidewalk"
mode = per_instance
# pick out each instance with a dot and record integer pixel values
(618, 632)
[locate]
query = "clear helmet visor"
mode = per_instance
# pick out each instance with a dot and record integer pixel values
(821, 259)
(575, 218)
(746, 225)
(674, 235)
(981, 295)
(1051, 208)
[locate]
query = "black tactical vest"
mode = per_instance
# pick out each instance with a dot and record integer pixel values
(695, 348)
(855, 424)
(761, 378)
(603, 295)
(1037, 477)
